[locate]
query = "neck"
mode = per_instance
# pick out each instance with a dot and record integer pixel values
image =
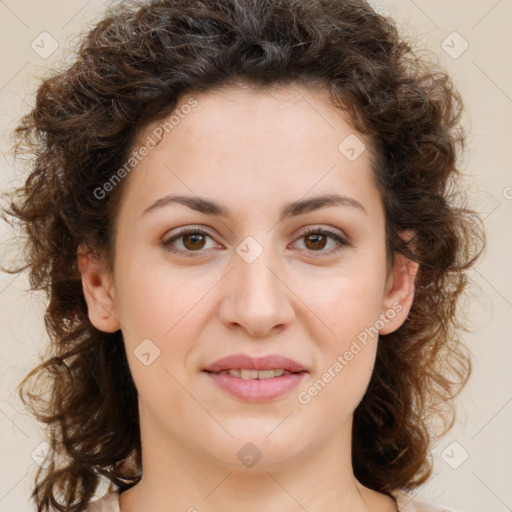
(176, 478)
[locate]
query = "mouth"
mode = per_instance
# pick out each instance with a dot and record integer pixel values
(256, 379)
(247, 374)
(243, 362)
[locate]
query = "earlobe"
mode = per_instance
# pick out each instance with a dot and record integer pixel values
(98, 291)
(399, 293)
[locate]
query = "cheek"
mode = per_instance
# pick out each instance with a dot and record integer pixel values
(348, 305)
(154, 302)
(159, 326)
(161, 316)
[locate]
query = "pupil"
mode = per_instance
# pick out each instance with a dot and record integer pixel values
(315, 238)
(195, 238)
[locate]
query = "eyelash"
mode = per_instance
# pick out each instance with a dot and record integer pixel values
(167, 244)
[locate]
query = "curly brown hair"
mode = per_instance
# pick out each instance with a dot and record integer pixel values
(130, 70)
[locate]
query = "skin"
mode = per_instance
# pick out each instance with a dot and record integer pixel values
(303, 298)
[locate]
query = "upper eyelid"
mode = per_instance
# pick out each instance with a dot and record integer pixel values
(187, 229)
(329, 231)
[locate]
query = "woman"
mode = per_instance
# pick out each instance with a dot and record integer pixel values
(241, 212)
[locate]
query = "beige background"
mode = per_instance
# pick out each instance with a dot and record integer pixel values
(482, 72)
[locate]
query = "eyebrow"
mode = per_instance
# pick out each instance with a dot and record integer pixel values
(293, 209)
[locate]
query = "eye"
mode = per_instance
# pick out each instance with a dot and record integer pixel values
(315, 240)
(191, 239)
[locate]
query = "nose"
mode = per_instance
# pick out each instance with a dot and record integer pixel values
(257, 297)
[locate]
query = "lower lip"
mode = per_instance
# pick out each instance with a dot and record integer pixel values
(256, 390)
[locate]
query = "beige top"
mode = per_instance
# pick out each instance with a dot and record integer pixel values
(110, 503)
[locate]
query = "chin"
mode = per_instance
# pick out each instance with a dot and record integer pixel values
(253, 448)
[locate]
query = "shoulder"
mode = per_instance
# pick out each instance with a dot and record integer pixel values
(109, 503)
(406, 503)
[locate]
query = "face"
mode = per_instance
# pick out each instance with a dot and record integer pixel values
(273, 257)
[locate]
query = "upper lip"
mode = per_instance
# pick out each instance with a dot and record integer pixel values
(269, 362)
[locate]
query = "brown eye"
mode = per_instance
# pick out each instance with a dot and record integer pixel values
(187, 241)
(195, 241)
(190, 241)
(316, 241)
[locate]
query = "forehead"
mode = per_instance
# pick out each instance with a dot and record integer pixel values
(288, 140)
(293, 111)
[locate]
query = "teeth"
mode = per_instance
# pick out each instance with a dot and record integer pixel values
(266, 374)
(249, 374)
(255, 374)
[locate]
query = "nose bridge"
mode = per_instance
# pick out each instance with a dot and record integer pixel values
(260, 300)
(257, 268)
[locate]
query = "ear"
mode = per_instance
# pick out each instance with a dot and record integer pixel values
(98, 289)
(399, 293)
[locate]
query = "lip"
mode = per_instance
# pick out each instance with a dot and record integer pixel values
(269, 362)
(256, 390)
